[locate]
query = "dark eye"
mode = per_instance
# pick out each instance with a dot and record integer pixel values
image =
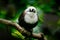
(32, 10)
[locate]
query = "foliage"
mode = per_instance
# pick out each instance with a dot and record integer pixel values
(43, 6)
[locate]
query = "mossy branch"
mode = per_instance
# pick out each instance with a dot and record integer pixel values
(20, 29)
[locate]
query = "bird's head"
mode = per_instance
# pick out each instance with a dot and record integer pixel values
(30, 15)
(31, 11)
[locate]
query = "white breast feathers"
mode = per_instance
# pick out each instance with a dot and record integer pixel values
(31, 19)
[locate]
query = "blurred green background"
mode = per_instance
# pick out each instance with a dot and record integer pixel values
(12, 9)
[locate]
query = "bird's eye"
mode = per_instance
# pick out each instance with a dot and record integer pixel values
(32, 10)
(29, 10)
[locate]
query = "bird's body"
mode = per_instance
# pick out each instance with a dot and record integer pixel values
(29, 18)
(27, 26)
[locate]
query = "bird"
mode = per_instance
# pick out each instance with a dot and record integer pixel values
(29, 18)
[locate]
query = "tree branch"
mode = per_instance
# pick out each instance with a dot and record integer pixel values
(22, 30)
